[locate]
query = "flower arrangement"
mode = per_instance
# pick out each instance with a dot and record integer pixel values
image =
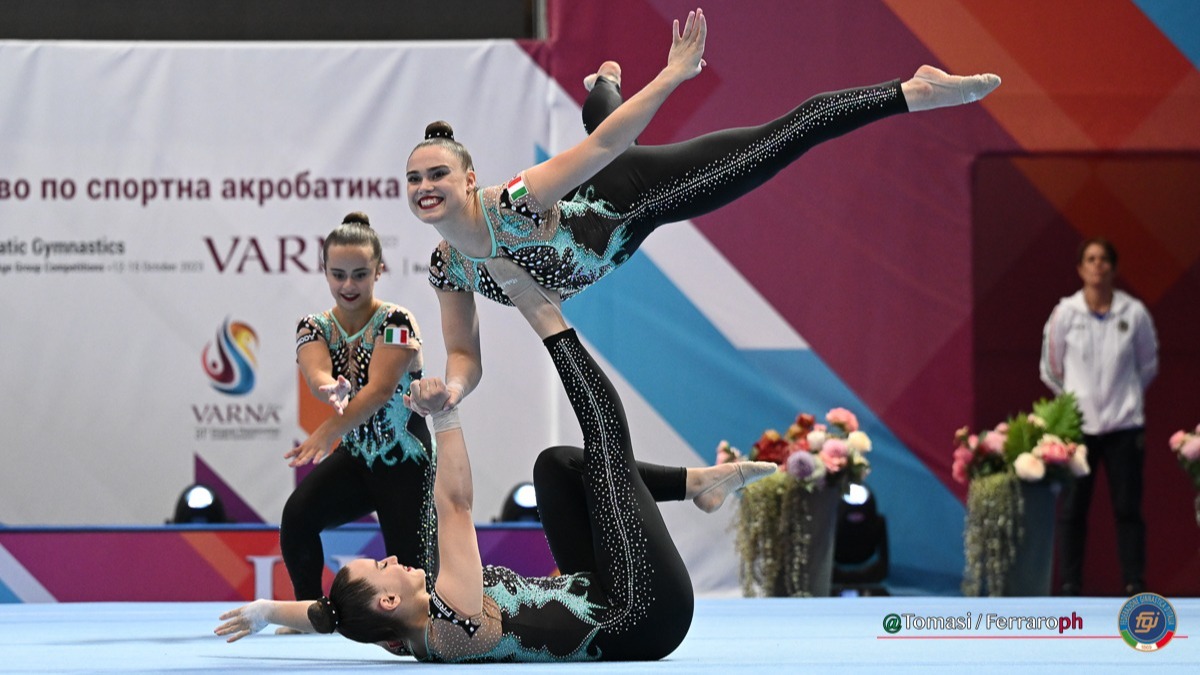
(1038, 448)
(813, 454)
(781, 517)
(1186, 446)
(1041, 444)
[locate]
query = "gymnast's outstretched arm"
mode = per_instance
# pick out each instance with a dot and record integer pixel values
(553, 179)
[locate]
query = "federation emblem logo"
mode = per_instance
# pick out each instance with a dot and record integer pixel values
(1147, 622)
(229, 360)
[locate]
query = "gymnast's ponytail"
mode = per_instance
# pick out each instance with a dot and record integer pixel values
(350, 610)
(323, 615)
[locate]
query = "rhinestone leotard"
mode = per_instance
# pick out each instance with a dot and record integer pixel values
(569, 245)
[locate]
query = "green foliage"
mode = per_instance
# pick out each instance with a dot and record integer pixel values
(777, 528)
(992, 533)
(1022, 436)
(1062, 417)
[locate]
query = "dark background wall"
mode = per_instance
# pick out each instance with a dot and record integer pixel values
(269, 19)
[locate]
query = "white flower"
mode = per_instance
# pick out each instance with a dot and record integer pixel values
(816, 440)
(859, 441)
(1079, 464)
(1036, 421)
(1029, 467)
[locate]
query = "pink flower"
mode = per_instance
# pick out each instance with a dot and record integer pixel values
(959, 469)
(1052, 450)
(1191, 449)
(962, 462)
(963, 455)
(1177, 440)
(726, 453)
(1002, 428)
(993, 443)
(834, 454)
(842, 418)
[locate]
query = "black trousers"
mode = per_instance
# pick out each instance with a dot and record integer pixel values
(1121, 454)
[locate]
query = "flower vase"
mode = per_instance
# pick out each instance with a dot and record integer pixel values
(808, 568)
(1009, 536)
(1032, 568)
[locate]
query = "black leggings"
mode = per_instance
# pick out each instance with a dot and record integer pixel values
(342, 489)
(648, 186)
(605, 520)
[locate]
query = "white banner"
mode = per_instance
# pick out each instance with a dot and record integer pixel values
(161, 207)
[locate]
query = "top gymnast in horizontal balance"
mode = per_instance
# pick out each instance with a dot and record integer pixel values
(579, 215)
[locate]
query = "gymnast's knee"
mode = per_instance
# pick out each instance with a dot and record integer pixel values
(555, 461)
(295, 514)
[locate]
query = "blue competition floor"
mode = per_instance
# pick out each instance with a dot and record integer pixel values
(760, 636)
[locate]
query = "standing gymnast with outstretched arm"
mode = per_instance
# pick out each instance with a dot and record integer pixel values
(359, 356)
(579, 215)
(624, 592)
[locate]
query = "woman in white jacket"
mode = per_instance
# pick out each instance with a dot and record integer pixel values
(1100, 345)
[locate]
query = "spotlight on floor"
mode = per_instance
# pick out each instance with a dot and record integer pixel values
(198, 504)
(520, 506)
(860, 554)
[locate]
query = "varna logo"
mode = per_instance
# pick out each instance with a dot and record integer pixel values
(229, 361)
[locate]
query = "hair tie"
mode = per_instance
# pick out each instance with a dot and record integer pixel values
(328, 605)
(440, 133)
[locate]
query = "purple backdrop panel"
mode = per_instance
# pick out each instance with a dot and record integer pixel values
(174, 564)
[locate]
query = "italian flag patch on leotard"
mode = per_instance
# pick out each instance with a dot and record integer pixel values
(395, 336)
(517, 189)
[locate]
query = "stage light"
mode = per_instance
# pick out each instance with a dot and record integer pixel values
(857, 495)
(520, 505)
(198, 504)
(860, 554)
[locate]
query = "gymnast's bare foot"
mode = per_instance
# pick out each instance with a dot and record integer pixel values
(933, 88)
(609, 70)
(709, 486)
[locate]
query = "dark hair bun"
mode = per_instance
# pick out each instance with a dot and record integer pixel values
(439, 129)
(357, 217)
(322, 616)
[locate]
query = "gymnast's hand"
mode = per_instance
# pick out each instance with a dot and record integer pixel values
(314, 449)
(339, 393)
(431, 395)
(243, 621)
(686, 58)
